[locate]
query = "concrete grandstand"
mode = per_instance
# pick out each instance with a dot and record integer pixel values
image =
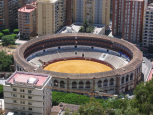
(124, 57)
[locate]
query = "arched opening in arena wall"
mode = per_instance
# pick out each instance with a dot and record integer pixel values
(74, 85)
(87, 84)
(122, 80)
(81, 84)
(99, 83)
(55, 83)
(111, 81)
(105, 82)
(62, 84)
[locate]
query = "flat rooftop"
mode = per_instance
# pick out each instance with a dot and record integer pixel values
(50, 1)
(28, 8)
(75, 27)
(28, 78)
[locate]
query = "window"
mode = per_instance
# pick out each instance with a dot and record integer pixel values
(21, 90)
(22, 96)
(30, 109)
(29, 97)
(23, 108)
(29, 103)
(14, 89)
(16, 113)
(14, 95)
(15, 107)
(14, 101)
(22, 102)
(29, 91)
(22, 113)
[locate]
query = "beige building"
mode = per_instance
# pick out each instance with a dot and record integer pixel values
(96, 11)
(9, 13)
(27, 20)
(51, 16)
(28, 94)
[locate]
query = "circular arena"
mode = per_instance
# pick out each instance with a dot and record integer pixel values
(82, 61)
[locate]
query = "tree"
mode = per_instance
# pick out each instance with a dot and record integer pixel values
(8, 39)
(86, 27)
(16, 31)
(14, 36)
(1, 35)
(6, 31)
(82, 29)
(67, 111)
(70, 98)
(1, 88)
(144, 97)
(5, 62)
(85, 24)
(92, 108)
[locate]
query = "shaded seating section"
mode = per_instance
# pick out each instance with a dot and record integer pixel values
(52, 55)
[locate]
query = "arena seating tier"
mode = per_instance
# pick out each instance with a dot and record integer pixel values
(52, 55)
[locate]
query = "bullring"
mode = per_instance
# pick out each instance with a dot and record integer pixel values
(123, 57)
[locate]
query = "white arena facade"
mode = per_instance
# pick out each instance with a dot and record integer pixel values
(123, 57)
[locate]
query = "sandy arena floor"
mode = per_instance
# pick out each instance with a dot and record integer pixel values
(77, 66)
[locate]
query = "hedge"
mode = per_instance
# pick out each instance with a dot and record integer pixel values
(70, 98)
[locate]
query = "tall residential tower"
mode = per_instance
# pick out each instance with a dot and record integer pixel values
(9, 13)
(148, 27)
(51, 16)
(27, 20)
(128, 19)
(95, 11)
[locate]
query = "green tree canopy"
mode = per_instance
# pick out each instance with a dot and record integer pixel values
(5, 62)
(70, 98)
(16, 31)
(14, 36)
(92, 108)
(144, 97)
(1, 35)
(6, 31)
(7, 40)
(1, 88)
(86, 27)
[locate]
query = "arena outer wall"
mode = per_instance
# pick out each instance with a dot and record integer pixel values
(115, 81)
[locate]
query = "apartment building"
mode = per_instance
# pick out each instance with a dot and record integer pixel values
(28, 94)
(9, 13)
(128, 19)
(51, 16)
(150, 1)
(29, 1)
(111, 9)
(2, 16)
(27, 20)
(148, 27)
(95, 11)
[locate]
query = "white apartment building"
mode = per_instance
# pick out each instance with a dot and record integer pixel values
(51, 16)
(148, 27)
(28, 94)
